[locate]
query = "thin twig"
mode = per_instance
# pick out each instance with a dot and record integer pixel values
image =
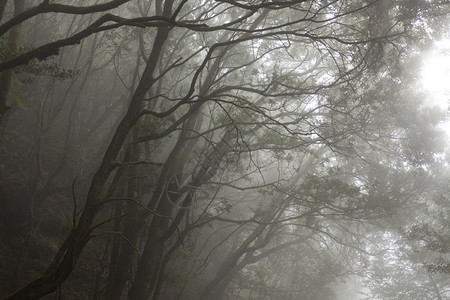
(140, 162)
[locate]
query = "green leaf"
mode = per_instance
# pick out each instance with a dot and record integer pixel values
(18, 101)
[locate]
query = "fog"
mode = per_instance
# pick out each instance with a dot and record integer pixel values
(224, 150)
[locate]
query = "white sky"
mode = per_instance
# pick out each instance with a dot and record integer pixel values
(435, 80)
(435, 76)
(436, 72)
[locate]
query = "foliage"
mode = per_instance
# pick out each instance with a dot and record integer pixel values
(220, 149)
(28, 73)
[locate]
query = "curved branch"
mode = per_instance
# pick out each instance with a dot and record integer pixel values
(45, 51)
(46, 7)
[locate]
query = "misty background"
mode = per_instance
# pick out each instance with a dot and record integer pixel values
(227, 149)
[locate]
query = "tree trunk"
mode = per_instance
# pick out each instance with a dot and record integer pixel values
(121, 270)
(134, 223)
(2, 8)
(70, 251)
(12, 45)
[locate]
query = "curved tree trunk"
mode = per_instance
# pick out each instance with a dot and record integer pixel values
(69, 253)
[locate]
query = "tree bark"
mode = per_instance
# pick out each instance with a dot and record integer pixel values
(69, 253)
(2, 8)
(12, 45)
(134, 222)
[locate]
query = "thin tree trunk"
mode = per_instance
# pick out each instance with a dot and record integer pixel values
(134, 223)
(12, 45)
(2, 8)
(115, 247)
(120, 271)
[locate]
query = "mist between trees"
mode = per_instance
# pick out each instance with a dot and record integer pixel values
(227, 149)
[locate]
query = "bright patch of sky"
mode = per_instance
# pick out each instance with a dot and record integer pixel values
(436, 73)
(435, 77)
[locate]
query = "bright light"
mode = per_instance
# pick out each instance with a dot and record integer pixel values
(435, 78)
(436, 73)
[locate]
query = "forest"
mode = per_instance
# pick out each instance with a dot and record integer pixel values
(223, 150)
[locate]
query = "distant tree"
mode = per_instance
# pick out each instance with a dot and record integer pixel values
(235, 92)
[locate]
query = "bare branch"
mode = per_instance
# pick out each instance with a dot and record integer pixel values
(133, 163)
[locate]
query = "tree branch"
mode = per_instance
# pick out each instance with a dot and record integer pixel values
(46, 7)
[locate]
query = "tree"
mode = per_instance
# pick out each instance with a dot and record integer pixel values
(257, 81)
